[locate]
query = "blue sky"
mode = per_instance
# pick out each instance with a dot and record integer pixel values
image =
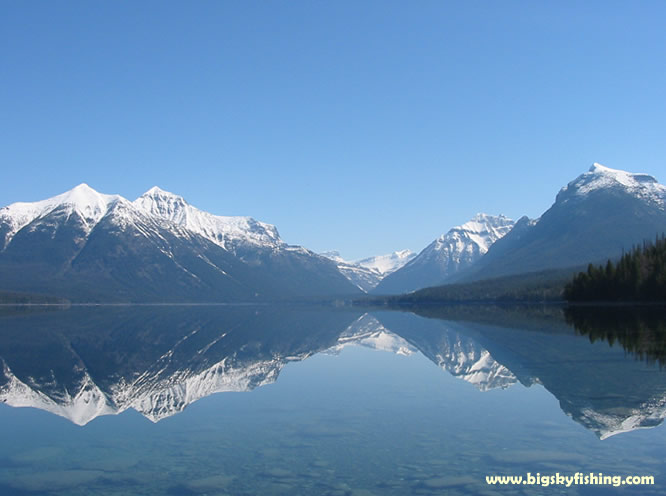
(365, 127)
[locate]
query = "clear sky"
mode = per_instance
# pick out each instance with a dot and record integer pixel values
(361, 126)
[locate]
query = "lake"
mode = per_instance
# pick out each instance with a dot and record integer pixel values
(254, 400)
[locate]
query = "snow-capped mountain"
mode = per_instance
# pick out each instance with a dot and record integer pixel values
(458, 249)
(595, 217)
(367, 273)
(227, 232)
(362, 277)
(85, 245)
(387, 264)
(83, 202)
(601, 178)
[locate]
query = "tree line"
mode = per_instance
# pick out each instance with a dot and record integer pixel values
(639, 275)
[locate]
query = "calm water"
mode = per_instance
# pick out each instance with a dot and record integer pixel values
(262, 400)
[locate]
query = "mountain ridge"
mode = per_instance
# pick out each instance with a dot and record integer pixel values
(448, 254)
(368, 272)
(597, 216)
(87, 246)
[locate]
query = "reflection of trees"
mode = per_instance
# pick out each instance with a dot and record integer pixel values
(639, 330)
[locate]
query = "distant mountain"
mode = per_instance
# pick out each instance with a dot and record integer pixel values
(387, 264)
(363, 278)
(87, 246)
(367, 273)
(595, 217)
(458, 249)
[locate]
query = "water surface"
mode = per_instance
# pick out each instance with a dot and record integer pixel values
(263, 400)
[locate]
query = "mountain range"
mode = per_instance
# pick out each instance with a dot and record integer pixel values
(368, 272)
(459, 248)
(595, 217)
(86, 246)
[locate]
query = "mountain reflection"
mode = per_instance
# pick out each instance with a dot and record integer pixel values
(600, 385)
(84, 362)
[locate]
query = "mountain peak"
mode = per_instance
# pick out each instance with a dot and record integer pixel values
(157, 192)
(80, 191)
(221, 230)
(601, 178)
(83, 187)
(624, 177)
(406, 253)
(597, 167)
(485, 216)
(83, 197)
(389, 263)
(453, 251)
(482, 223)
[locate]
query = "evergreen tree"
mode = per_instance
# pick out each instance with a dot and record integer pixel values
(639, 275)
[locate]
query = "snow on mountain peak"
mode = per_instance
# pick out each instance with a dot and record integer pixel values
(597, 167)
(90, 205)
(87, 201)
(165, 196)
(156, 190)
(626, 178)
(463, 245)
(600, 177)
(364, 278)
(448, 254)
(221, 230)
(482, 230)
(386, 264)
(490, 219)
(368, 272)
(163, 204)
